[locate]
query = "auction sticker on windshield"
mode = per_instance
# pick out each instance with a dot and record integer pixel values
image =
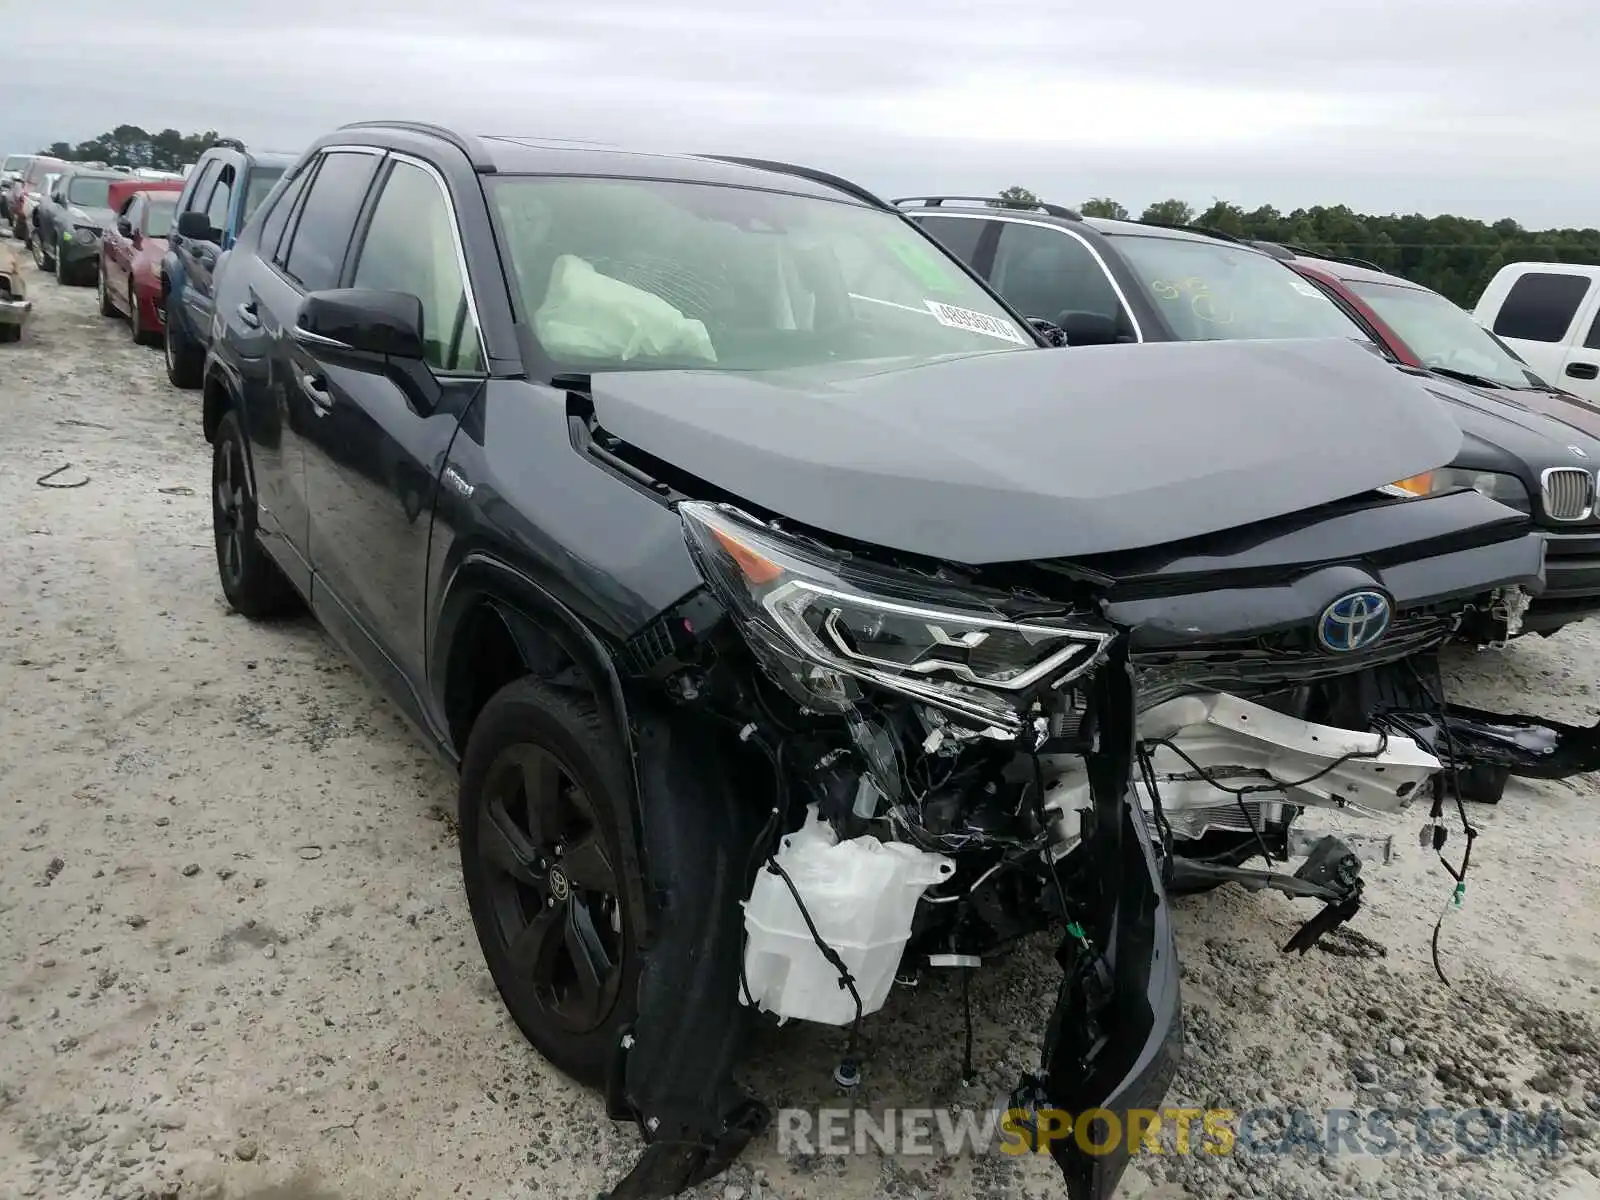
(975, 322)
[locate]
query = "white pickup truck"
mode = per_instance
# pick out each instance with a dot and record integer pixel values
(1549, 313)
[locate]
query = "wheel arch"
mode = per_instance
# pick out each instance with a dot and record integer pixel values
(218, 397)
(495, 625)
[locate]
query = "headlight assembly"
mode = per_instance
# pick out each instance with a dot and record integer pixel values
(1507, 489)
(823, 625)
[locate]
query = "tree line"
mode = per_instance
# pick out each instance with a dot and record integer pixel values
(1455, 256)
(128, 145)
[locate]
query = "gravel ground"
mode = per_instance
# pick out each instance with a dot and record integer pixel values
(238, 963)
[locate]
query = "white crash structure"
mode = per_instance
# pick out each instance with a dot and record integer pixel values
(1201, 740)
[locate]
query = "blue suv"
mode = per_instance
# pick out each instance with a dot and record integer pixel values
(224, 190)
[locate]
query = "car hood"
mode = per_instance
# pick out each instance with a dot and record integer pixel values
(90, 216)
(1029, 454)
(1501, 420)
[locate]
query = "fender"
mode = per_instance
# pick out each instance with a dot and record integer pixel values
(531, 612)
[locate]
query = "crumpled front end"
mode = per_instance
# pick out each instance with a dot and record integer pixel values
(940, 759)
(904, 723)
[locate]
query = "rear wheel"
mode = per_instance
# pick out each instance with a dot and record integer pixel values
(251, 581)
(543, 794)
(184, 359)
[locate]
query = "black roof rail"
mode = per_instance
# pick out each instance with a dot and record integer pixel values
(1276, 249)
(1205, 231)
(811, 173)
(1050, 210)
(470, 146)
(1346, 259)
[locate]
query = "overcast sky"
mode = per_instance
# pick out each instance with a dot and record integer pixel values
(1466, 106)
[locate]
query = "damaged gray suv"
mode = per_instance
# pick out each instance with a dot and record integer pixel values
(795, 624)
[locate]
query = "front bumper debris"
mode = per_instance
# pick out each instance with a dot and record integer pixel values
(1532, 747)
(1116, 1034)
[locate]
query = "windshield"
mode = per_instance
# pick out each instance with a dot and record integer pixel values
(159, 215)
(1442, 335)
(625, 273)
(1213, 291)
(89, 192)
(14, 162)
(261, 181)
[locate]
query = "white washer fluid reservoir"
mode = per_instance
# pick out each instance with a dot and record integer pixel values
(860, 894)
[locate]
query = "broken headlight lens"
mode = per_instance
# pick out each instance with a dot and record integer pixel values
(823, 625)
(1507, 489)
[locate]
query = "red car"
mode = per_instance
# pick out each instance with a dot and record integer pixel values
(1423, 329)
(130, 253)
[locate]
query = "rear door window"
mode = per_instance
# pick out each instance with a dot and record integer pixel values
(328, 218)
(1540, 306)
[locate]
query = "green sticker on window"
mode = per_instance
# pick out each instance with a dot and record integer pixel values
(924, 263)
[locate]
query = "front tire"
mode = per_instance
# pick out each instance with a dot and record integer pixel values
(543, 797)
(63, 274)
(41, 256)
(184, 359)
(107, 309)
(251, 581)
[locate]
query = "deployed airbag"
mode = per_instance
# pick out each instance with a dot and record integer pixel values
(589, 315)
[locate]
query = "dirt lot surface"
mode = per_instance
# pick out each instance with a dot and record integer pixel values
(237, 961)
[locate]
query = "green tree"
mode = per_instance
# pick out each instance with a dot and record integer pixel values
(129, 145)
(1015, 197)
(1168, 212)
(1103, 206)
(1224, 218)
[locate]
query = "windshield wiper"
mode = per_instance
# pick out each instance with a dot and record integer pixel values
(1468, 377)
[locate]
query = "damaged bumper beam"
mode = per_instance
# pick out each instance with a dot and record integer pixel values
(1532, 747)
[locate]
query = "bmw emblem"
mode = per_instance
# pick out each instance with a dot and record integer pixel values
(1354, 621)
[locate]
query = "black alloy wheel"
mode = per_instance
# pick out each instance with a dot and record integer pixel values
(228, 508)
(541, 787)
(250, 579)
(553, 889)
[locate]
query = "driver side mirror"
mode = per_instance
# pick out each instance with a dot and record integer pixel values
(371, 322)
(125, 227)
(195, 225)
(1088, 329)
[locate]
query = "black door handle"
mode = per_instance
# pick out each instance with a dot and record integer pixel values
(247, 316)
(1583, 370)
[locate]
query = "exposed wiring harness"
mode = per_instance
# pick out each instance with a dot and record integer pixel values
(1147, 769)
(1436, 815)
